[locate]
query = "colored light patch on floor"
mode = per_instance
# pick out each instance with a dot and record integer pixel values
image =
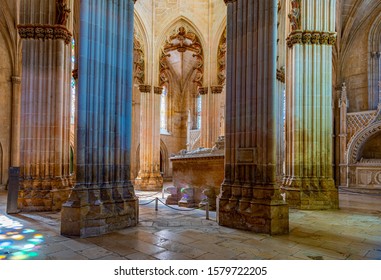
(17, 242)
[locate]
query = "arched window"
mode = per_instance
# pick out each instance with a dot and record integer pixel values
(198, 112)
(163, 111)
(375, 64)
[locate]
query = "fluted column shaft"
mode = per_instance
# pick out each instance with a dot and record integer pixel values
(45, 108)
(103, 198)
(308, 179)
(249, 197)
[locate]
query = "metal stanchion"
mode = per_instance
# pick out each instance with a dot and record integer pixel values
(207, 210)
(156, 204)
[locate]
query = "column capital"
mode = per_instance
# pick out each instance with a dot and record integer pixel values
(157, 90)
(16, 79)
(44, 31)
(145, 88)
(229, 1)
(216, 89)
(307, 37)
(203, 90)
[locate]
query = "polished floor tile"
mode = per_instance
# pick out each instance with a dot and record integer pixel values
(353, 233)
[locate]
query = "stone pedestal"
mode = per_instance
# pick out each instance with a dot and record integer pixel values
(249, 197)
(103, 197)
(187, 197)
(308, 181)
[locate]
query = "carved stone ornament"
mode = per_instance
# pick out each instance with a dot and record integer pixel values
(203, 90)
(62, 12)
(359, 139)
(280, 75)
(216, 89)
(44, 32)
(182, 40)
(145, 88)
(139, 68)
(158, 90)
(221, 60)
(311, 37)
(294, 15)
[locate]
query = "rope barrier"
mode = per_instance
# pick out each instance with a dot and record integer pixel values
(147, 202)
(176, 209)
(152, 195)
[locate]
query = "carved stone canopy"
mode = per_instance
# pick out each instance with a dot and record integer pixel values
(182, 45)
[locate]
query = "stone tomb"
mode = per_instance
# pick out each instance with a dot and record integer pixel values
(197, 177)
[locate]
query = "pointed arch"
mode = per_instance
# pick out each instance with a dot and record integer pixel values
(358, 141)
(9, 32)
(176, 23)
(374, 63)
(181, 36)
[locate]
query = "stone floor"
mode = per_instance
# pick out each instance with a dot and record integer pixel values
(353, 232)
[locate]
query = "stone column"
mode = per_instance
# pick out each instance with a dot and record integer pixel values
(45, 106)
(14, 169)
(249, 197)
(103, 197)
(204, 136)
(215, 109)
(149, 177)
(343, 106)
(308, 180)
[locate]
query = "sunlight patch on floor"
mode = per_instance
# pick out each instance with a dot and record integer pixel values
(17, 242)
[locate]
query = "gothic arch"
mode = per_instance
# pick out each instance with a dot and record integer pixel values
(181, 37)
(9, 33)
(374, 62)
(176, 23)
(357, 142)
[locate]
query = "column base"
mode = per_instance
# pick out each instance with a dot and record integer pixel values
(311, 194)
(43, 194)
(95, 210)
(149, 182)
(257, 215)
